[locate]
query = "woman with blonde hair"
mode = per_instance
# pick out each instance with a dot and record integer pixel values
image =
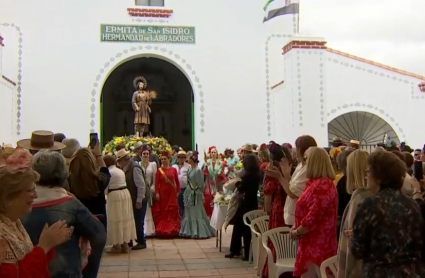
(316, 215)
(356, 171)
(18, 256)
(89, 178)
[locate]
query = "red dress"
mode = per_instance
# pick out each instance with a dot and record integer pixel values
(34, 265)
(165, 212)
(273, 188)
(316, 210)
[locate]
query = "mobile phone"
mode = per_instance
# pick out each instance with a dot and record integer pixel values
(94, 138)
(418, 170)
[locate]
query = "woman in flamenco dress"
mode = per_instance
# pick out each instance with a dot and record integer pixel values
(275, 195)
(214, 172)
(165, 211)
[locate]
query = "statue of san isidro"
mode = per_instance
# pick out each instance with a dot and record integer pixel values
(141, 102)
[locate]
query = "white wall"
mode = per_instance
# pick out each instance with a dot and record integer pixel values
(358, 86)
(324, 85)
(64, 62)
(7, 116)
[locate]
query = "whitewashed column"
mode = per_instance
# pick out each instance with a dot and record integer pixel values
(1, 55)
(305, 75)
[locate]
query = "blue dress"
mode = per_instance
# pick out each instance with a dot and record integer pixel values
(196, 223)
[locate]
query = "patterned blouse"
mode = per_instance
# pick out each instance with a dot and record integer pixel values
(387, 235)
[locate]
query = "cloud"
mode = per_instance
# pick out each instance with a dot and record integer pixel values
(387, 31)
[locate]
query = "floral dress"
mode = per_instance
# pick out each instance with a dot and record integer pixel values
(273, 188)
(387, 235)
(316, 210)
(213, 183)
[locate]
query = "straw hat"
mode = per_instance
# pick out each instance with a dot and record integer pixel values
(41, 139)
(354, 142)
(122, 153)
(181, 153)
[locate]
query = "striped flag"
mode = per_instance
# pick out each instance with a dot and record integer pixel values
(274, 8)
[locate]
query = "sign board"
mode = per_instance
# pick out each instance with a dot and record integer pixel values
(147, 34)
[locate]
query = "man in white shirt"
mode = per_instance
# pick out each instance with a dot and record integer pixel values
(182, 168)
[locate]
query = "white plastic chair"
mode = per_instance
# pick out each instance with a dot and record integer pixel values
(332, 264)
(285, 251)
(247, 219)
(259, 226)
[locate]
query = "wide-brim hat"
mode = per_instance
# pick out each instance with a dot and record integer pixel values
(122, 153)
(40, 140)
(354, 142)
(137, 146)
(248, 148)
(337, 141)
(181, 153)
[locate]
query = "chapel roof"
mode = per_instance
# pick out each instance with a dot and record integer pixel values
(357, 58)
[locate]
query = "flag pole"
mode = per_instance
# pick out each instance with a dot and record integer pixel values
(298, 19)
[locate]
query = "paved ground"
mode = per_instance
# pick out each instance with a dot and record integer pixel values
(177, 258)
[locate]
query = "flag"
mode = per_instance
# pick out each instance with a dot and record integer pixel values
(274, 8)
(267, 4)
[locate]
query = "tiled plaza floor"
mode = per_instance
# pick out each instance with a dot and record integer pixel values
(177, 258)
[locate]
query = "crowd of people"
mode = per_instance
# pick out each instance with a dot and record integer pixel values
(61, 203)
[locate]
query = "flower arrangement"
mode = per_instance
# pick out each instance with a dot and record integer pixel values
(222, 199)
(335, 152)
(158, 144)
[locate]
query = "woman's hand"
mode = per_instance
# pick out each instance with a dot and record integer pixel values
(96, 150)
(294, 233)
(273, 172)
(55, 235)
(157, 196)
(3, 247)
(416, 185)
(348, 233)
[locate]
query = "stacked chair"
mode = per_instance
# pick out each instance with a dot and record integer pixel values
(332, 265)
(285, 248)
(247, 219)
(259, 226)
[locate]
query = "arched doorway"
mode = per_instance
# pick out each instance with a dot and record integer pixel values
(365, 127)
(172, 114)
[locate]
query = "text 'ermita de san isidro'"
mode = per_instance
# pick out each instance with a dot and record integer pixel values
(141, 33)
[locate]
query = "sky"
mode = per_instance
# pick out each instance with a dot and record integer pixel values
(391, 32)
